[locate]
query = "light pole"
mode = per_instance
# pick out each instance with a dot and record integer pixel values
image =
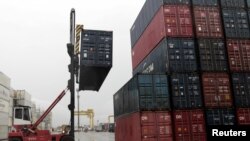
(78, 108)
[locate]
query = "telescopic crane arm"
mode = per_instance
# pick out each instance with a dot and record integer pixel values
(34, 126)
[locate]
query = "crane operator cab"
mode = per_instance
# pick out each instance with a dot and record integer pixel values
(22, 117)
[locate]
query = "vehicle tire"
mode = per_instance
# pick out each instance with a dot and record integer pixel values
(67, 138)
(15, 139)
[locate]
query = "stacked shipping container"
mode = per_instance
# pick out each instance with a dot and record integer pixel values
(236, 26)
(4, 105)
(203, 47)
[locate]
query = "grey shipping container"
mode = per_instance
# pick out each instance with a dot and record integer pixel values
(212, 55)
(142, 92)
(233, 3)
(220, 116)
(186, 91)
(96, 48)
(146, 14)
(241, 88)
(205, 2)
(236, 23)
(170, 55)
(95, 58)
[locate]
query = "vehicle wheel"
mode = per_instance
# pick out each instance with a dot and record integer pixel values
(67, 138)
(15, 139)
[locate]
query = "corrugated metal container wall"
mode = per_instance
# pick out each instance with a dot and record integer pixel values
(208, 22)
(243, 116)
(4, 118)
(22, 102)
(236, 23)
(142, 92)
(4, 130)
(22, 94)
(95, 58)
(189, 125)
(238, 54)
(241, 87)
(144, 126)
(216, 90)
(4, 106)
(170, 55)
(186, 91)
(233, 3)
(118, 103)
(4, 80)
(212, 55)
(146, 14)
(220, 116)
(248, 3)
(4, 93)
(96, 48)
(170, 21)
(205, 2)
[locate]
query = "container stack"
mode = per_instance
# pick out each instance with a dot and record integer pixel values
(4, 105)
(22, 98)
(236, 26)
(202, 48)
(141, 109)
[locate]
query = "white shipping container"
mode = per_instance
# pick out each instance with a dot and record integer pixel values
(10, 111)
(11, 102)
(22, 102)
(4, 132)
(10, 122)
(4, 118)
(12, 93)
(4, 106)
(4, 80)
(4, 93)
(22, 94)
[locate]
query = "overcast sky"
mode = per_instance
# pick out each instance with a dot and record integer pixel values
(33, 37)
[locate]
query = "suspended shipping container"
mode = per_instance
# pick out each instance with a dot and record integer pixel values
(189, 125)
(238, 55)
(148, 11)
(243, 116)
(170, 21)
(208, 22)
(144, 126)
(95, 58)
(142, 92)
(236, 23)
(241, 88)
(216, 90)
(212, 55)
(186, 91)
(170, 55)
(220, 116)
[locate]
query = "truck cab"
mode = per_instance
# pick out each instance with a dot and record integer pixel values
(22, 115)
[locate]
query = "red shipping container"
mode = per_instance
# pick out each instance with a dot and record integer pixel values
(170, 21)
(189, 125)
(243, 116)
(239, 55)
(216, 90)
(144, 126)
(208, 22)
